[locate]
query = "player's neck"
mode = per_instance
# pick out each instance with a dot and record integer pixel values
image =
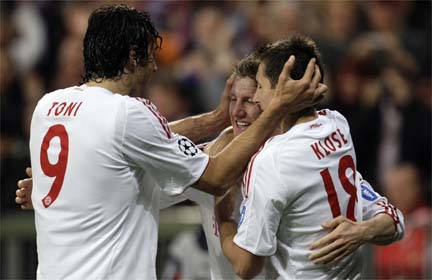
(302, 117)
(115, 86)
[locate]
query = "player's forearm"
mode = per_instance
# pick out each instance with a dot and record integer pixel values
(227, 231)
(201, 126)
(227, 166)
(379, 230)
(245, 264)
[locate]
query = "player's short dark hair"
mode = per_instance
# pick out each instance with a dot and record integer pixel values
(247, 67)
(275, 55)
(113, 31)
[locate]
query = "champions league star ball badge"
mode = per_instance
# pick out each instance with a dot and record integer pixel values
(187, 147)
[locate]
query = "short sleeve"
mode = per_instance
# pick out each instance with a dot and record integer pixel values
(171, 159)
(166, 201)
(192, 194)
(198, 196)
(261, 209)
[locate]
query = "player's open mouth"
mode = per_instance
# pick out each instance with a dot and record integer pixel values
(243, 125)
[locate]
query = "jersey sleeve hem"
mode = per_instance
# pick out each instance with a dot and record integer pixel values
(253, 250)
(195, 176)
(398, 223)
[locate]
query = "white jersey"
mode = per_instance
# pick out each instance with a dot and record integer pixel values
(99, 163)
(220, 267)
(292, 185)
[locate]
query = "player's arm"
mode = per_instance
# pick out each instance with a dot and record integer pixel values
(290, 96)
(347, 236)
(382, 224)
(23, 194)
(265, 199)
(174, 161)
(218, 144)
(197, 196)
(245, 264)
(375, 205)
(205, 125)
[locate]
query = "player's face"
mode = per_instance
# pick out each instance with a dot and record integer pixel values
(264, 91)
(243, 110)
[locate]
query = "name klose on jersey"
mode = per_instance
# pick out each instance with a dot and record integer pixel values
(329, 145)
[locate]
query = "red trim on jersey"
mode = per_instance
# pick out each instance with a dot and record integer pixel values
(248, 174)
(322, 112)
(246, 178)
(390, 210)
(160, 118)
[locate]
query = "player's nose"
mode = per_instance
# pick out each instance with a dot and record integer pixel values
(239, 110)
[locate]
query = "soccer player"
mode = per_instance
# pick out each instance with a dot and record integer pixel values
(243, 112)
(101, 158)
(298, 179)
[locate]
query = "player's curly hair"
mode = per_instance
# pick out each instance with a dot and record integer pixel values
(247, 67)
(113, 31)
(275, 55)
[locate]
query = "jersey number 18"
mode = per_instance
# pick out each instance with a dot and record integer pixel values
(344, 163)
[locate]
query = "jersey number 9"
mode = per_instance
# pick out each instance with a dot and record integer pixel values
(57, 170)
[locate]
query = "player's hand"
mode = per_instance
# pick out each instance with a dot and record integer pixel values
(345, 237)
(222, 109)
(23, 194)
(296, 95)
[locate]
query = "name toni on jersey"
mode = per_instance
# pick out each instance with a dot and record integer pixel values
(68, 109)
(330, 144)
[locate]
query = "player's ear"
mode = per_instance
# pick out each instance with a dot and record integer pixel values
(130, 67)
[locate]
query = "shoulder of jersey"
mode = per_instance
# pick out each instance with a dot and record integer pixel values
(143, 105)
(339, 118)
(52, 94)
(331, 113)
(273, 145)
(138, 101)
(58, 91)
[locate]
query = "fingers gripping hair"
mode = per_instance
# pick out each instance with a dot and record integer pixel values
(275, 55)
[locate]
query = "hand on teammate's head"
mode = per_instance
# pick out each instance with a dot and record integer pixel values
(223, 107)
(297, 95)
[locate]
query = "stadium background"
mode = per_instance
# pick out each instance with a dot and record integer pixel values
(378, 68)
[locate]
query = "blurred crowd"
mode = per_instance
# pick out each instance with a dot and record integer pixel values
(377, 57)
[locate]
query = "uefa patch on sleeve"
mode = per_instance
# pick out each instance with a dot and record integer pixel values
(367, 193)
(242, 214)
(187, 147)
